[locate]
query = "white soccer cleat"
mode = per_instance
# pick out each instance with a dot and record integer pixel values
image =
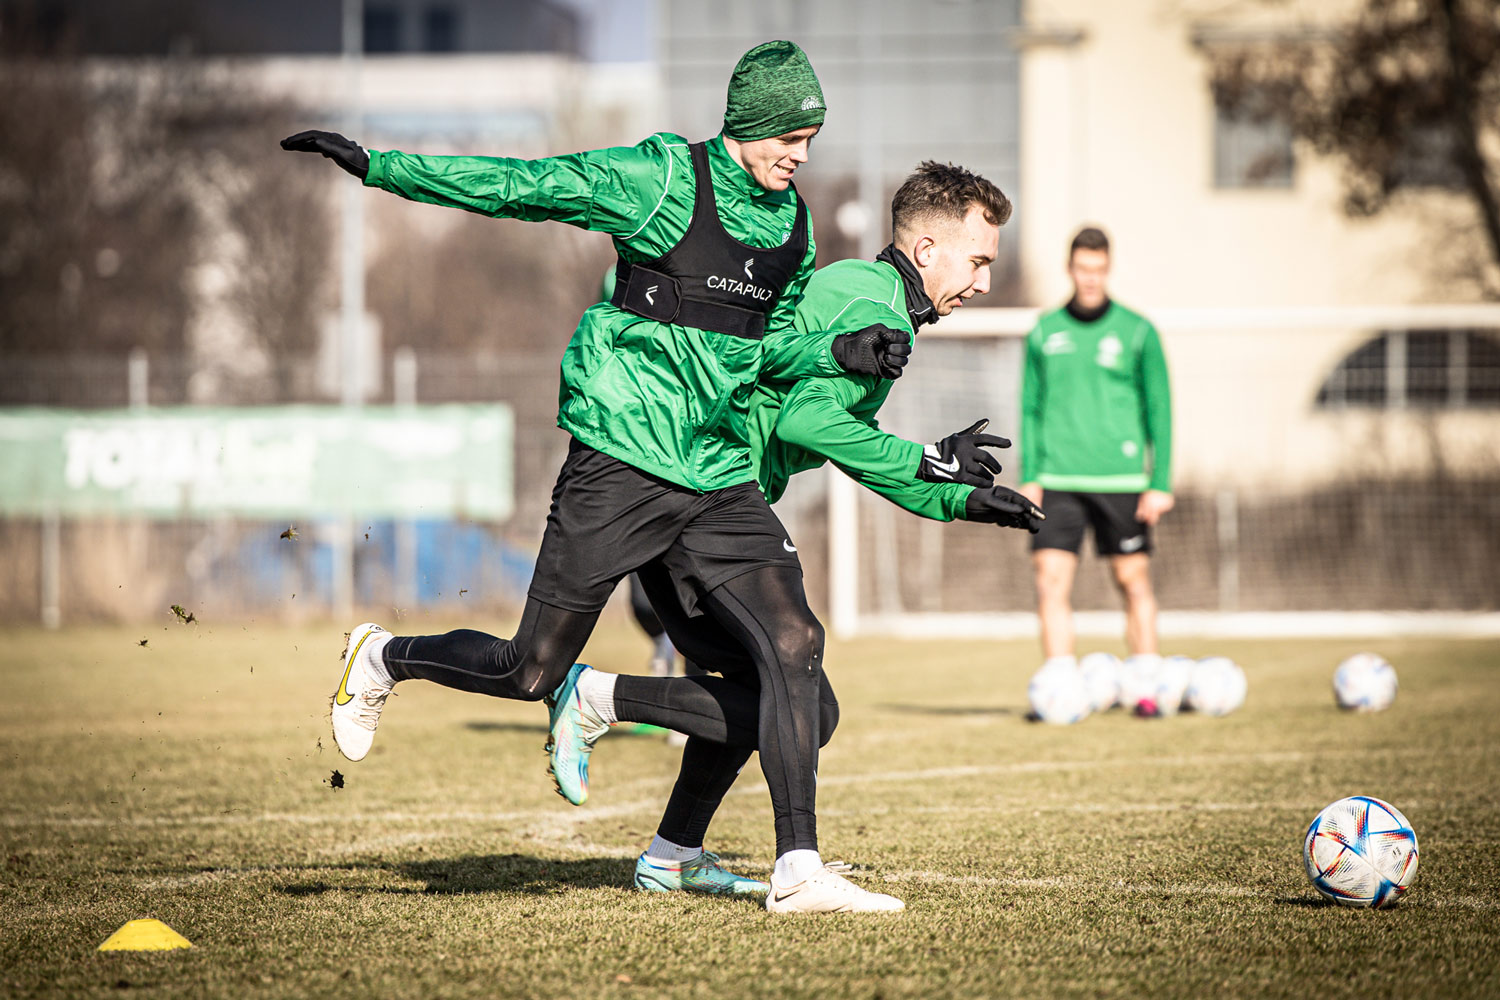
(359, 699)
(828, 892)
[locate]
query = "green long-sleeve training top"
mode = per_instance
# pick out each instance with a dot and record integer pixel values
(1096, 405)
(798, 425)
(670, 400)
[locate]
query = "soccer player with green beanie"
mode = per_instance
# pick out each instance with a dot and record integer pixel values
(1096, 447)
(945, 224)
(715, 247)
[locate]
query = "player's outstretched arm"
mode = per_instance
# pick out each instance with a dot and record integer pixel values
(603, 190)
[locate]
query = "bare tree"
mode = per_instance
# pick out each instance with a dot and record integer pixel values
(1405, 93)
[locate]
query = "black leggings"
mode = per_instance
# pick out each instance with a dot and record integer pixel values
(720, 715)
(764, 612)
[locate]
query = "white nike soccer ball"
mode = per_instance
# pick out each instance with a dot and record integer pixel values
(1058, 695)
(1364, 683)
(1138, 682)
(1217, 686)
(1101, 676)
(1361, 851)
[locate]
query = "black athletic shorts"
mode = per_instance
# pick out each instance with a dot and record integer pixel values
(609, 519)
(1112, 516)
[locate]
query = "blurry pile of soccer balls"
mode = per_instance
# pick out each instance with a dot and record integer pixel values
(1359, 851)
(1152, 686)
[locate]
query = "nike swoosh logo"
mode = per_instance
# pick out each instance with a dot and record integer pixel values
(780, 896)
(787, 544)
(344, 696)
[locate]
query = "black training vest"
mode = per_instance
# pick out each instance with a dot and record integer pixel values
(710, 280)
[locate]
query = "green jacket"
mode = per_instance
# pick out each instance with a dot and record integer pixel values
(1096, 406)
(798, 425)
(670, 400)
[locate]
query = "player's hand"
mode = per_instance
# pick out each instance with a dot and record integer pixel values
(1152, 505)
(1032, 492)
(961, 458)
(345, 152)
(1005, 507)
(876, 350)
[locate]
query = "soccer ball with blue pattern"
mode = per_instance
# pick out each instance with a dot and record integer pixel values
(1361, 851)
(1364, 683)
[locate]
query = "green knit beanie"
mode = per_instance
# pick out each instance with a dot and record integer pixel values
(773, 91)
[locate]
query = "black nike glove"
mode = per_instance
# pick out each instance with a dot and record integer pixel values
(1005, 507)
(961, 458)
(345, 152)
(876, 350)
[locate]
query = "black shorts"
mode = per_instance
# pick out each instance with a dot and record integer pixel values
(1112, 515)
(609, 519)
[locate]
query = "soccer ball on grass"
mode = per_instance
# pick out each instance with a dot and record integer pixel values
(1361, 851)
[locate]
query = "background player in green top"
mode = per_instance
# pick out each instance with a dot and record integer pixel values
(1096, 446)
(945, 223)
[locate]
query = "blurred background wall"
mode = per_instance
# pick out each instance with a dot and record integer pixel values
(1291, 188)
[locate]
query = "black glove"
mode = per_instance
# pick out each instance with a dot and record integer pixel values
(345, 152)
(1005, 507)
(876, 350)
(961, 458)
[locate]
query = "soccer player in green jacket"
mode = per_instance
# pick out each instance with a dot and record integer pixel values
(945, 224)
(1096, 447)
(715, 247)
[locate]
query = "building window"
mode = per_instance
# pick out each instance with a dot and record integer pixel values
(1428, 159)
(440, 29)
(1252, 146)
(1418, 368)
(382, 28)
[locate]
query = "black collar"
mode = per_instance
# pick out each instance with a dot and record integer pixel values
(1083, 315)
(918, 306)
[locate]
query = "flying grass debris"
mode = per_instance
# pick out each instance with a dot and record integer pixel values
(290, 532)
(336, 780)
(143, 642)
(183, 615)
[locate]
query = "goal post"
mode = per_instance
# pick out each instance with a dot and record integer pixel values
(1334, 466)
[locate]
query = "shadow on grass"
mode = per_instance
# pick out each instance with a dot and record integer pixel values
(506, 874)
(950, 709)
(1307, 902)
(486, 726)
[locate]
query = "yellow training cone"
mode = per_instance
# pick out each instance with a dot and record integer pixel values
(145, 935)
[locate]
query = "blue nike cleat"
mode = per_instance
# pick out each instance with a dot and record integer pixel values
(575, 728)
(702, 874)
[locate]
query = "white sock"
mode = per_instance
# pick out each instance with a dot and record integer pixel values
(1060, 661)
(664, 852)
(374, 654)
(598, 689)
(794, 867)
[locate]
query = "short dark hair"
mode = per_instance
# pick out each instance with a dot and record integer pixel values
(1089, 238)
(944, 191)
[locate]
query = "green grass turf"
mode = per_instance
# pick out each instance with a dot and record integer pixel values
(188, 780)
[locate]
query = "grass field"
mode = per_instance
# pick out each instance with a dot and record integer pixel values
(189, 780)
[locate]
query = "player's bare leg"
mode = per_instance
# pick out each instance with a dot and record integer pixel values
(1055, 569)
(1132, 575)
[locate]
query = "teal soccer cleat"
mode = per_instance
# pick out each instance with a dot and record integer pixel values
(575, 728)
(702, 874)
